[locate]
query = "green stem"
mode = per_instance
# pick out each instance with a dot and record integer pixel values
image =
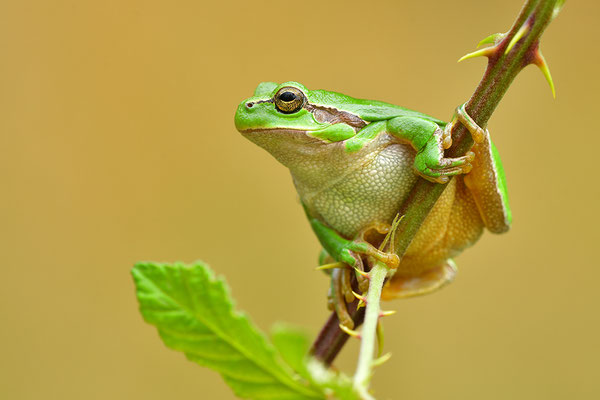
(368, 336)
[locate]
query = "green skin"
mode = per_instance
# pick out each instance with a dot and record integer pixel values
(350, 130)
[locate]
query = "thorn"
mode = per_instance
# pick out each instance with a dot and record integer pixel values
(486, 52)
(359, 297)
(362, 273)
(331, 266)
(385, 240)
(540, 61)
(381, 360)
(389, 237)
(492, 39)
(350, 332)
(397, 219)
(559, 5)
(518, 36)
(360, 305)
(393, 229)
(380, 337)
(387, 313)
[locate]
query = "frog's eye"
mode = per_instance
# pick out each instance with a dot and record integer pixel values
(289, 99)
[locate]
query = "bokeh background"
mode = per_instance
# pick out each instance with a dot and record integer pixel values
(118, 145)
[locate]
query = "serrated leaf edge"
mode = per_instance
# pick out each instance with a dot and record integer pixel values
(285, 375)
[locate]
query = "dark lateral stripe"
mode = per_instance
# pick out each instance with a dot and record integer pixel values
(330, 115)
(252, 103)
(334, 116)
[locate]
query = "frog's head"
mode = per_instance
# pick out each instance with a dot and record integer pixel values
(288, 117)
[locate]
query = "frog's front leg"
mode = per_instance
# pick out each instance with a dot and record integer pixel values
(348, 251)
(429, 140)
(348, 254)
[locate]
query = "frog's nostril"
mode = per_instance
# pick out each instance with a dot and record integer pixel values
(249, 105)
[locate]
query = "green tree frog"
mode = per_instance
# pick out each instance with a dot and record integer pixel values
(353, 163)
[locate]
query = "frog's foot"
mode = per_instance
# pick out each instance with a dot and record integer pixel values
(359, 247)
(477, 133)
(362, 277)
(439, 169)
(430, 162)
(446, 137)
(340, 293)
(401, 286)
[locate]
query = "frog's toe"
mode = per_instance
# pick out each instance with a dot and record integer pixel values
(446, 138)
(347, 285)
(443, 175)
(362, 277)
(361, 246)
(388, 258)
(330, 301)
(447, 167)
(338, 297)
(477, 133)
(457, 161)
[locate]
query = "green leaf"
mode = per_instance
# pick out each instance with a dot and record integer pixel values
(332, 383)
(194, 314)
(292, 344)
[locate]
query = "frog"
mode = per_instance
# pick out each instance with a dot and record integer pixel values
(353, 163)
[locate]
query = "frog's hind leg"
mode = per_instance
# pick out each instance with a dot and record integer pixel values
(340, 295)
(401, 286)
(487, 184)
(486, 180)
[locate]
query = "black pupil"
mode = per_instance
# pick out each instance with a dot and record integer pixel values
(287, 97)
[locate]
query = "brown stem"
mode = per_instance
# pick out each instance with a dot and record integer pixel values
(331, 339)
(501, 71)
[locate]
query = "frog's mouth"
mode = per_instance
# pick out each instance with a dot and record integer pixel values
(297, 135)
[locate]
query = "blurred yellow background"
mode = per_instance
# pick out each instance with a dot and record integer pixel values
(118, 145)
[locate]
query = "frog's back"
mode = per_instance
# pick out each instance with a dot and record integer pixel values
(368, 110)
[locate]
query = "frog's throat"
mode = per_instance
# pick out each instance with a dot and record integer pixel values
(288, 146)
(297, 149)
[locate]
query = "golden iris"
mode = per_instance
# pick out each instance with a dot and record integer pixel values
(289, 99)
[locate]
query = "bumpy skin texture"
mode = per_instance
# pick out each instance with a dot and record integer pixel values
(369, 187)
(371, 191)
(350, 176)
